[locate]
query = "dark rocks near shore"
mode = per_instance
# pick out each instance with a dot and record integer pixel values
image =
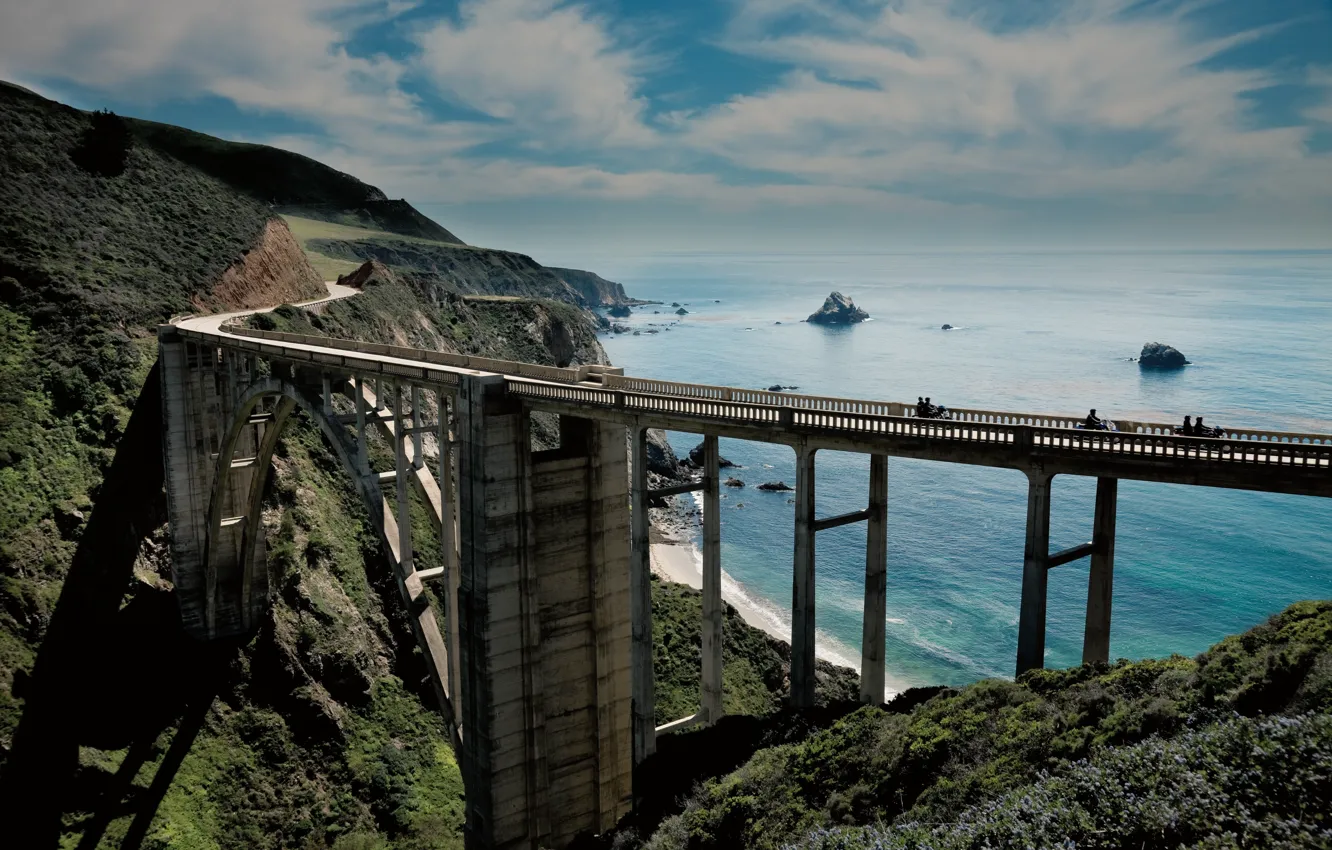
(947, 327)
(682, 312)
(837, 309)
(620, 311)
(776, 486)
(661, 457)
(734, 482)
(1157, 355)
(696, 458)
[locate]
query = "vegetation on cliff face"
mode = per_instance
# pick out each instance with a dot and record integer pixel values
(755, 667)
(960, 759)
(1243, 782)
(90, 262)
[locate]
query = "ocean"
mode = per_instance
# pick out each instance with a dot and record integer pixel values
(1033, 332)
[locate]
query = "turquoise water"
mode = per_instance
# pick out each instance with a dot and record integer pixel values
(1041, 333)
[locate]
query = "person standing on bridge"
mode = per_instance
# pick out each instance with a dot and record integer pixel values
(920, 406)
(1187, 429)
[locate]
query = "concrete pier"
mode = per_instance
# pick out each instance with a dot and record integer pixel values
(640, 593)
(1100, 579)
(1035, 574)
(876, 584)
(802, 591)
(545, 624)
(711, 696)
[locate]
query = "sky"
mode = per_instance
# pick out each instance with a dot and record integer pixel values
(643, 126)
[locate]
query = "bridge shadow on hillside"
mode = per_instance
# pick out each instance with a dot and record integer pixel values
(686, 759)
(114, 671)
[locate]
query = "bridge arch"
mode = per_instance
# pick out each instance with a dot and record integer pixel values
(234, 556)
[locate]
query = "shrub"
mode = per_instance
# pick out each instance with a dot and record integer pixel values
(104, 147)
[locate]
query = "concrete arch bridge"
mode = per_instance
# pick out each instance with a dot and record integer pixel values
(543, 664)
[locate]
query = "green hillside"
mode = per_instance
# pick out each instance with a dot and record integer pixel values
(290, 182)
(1163, 753)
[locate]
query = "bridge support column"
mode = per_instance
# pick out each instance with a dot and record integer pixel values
(802, 592)
(711, 697)
(872, 636)
(545, 626)
(1035, 574)
(640, 598)
(1100, 581)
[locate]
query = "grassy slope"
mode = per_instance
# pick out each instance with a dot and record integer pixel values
(971, 746)
(291, 182)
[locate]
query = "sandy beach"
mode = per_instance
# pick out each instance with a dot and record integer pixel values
(674, 560)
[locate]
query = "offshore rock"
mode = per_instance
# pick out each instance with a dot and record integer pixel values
(780, 486)
(837, 309)
(1156, 355)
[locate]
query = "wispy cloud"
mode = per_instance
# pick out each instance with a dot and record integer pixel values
(915, 109)
(1092, 100)
(552, 71)
(281, 55)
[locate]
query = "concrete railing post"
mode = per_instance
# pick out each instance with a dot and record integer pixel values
(1035, 574)
(1100, 580)
(711, 697)
(640, 593)
(872, 638)
(802, 592)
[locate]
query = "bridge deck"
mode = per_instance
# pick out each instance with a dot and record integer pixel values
(1272, 461)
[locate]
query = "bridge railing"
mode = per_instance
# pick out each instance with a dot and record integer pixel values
(958, 414)
(762, 397)
(778, 408)
(402, 352)
(1169, 446)
(1050, 433)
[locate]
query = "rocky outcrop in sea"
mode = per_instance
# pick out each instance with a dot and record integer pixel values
(837, 309)
(1157, 355)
